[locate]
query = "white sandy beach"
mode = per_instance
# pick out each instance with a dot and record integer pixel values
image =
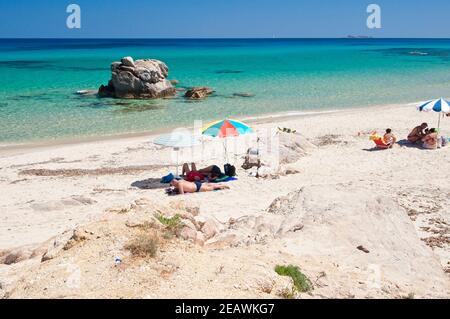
(392, 202)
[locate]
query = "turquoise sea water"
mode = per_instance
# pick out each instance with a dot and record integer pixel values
(38, 79)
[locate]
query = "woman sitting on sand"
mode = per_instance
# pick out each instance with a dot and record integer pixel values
(191, 175)
(389, 138)
(418, 133)
(184, 187)
(430, 140)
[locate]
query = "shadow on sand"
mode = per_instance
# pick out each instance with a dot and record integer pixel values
(401, 143)
(150, 183)
(406, 143)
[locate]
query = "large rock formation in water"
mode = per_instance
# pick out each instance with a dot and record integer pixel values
(140, 79)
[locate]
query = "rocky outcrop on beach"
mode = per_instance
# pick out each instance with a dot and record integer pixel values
(157, 250)
(140, 79)
(198, 93)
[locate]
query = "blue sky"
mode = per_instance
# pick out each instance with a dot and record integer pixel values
(224, 18)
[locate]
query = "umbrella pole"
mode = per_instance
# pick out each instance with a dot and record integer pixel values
(225, 148)
(439, 122)
(176, 149)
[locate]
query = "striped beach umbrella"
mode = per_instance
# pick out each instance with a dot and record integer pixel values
(226, 128)
(438, 106)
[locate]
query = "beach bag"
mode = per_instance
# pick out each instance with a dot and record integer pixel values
(229, 170)
(251, 159)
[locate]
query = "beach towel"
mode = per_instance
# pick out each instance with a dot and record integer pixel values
(379, 141)
(224, 179)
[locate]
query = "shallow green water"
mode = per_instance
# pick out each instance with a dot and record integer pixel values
(38, 79)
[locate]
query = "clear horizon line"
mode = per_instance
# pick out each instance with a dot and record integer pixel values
(350, 37)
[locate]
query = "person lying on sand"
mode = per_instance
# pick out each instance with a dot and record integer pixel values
(192, 174)
(389, 138)
(195, 187)
(430, 140)
(417, 133)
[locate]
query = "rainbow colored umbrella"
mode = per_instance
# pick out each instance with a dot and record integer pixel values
(226, 128)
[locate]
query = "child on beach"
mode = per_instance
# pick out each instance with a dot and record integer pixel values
(389, 138)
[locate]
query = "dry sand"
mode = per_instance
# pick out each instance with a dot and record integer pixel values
(341, 194)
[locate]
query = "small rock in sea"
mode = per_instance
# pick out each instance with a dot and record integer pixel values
(86, 92)
(243, 94)
(197, 93)
(3, 104)
(174, 82)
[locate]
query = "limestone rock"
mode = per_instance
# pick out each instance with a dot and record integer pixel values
(200, 240)
(188, 234)
(198, 93)
(209, 229)
(128, 61)
(58, 245)
(221, 241)
(189, 224)
(140, 79)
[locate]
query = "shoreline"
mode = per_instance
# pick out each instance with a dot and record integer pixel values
(7, 149)
(337, 184)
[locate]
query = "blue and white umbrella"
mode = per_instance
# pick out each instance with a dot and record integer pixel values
(177, 140)
(439, 106)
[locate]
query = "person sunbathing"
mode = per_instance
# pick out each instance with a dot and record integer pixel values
(418, 133)
(192, 174)
(430, 140)
(184, 187)
(389, 138)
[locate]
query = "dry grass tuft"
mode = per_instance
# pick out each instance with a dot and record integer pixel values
(144, 245)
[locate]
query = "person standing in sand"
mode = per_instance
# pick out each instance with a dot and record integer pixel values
(418, 133)
(184, 187)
